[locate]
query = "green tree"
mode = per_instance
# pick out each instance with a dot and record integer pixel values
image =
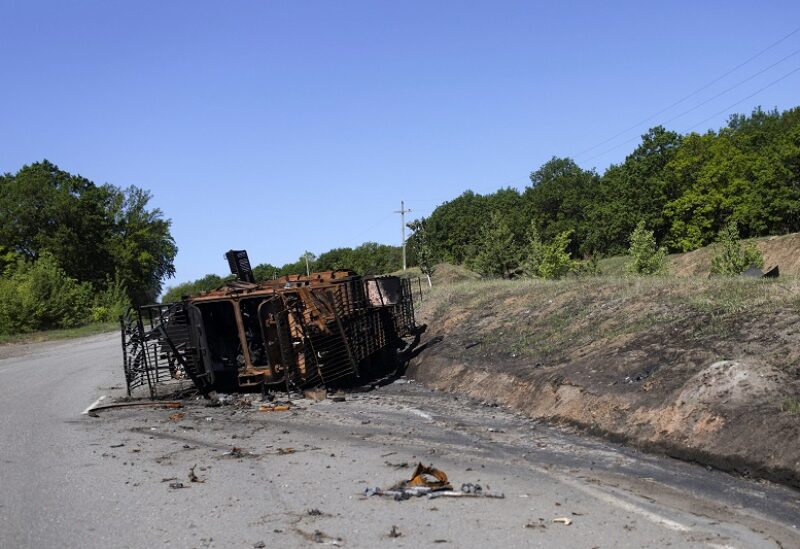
(560, 199)
(556, 261)
(533, 253)
(646, 257)
(498, 254)
(94, 233)
(142, 247)
(424, 252)
(637, 189)
(731, 257)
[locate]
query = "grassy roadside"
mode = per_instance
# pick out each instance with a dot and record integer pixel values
(65, 333)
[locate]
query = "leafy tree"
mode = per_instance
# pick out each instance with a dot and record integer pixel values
(265, 271)
(556, 261)
(533, 252)
(94, 233)
(646, 257)
(141, 246)
(424, 252)
(560, 199)
(730, 256)
(497, 254)
(635, 190)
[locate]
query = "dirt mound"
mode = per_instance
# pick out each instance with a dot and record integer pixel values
(706, 370)
(446, 273)
(783, 251)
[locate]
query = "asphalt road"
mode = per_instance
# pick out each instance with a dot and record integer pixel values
(298, 477)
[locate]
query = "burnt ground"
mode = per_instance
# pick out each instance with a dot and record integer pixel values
(703, 370)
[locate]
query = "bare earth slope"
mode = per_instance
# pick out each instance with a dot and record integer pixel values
(705, 370)
(783, 251)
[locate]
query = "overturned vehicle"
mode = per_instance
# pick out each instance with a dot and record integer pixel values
(283, 334)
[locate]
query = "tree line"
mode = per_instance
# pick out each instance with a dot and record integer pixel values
(686, 189)
(368, 258)
(72, 251)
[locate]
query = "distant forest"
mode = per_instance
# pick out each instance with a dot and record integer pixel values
(685, 188)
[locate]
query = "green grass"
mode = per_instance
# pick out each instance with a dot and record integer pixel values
(65, 333)
(543, 318)
(791, 406)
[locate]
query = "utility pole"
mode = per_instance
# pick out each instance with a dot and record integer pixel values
(305, 255)
(402, 211)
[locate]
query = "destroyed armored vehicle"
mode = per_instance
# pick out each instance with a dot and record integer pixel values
(288, 333)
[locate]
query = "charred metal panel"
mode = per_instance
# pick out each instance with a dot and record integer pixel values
(240, 265)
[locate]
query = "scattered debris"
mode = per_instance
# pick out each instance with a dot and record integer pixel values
(431, 482)
(116, 445)
(259, 545)
(338, 397)
(563, 520)
(285, 451)
(317, 395)
(193, 476)
(461, 494)
(320, 537)
(314, 513)
(402, 465)
(638, 377)
(177, 485)
(177, 416)
(541, 524)
(150, 404)
(421, 477)
(755, 272)
(283, 407)
(394, 532)
(234, 453)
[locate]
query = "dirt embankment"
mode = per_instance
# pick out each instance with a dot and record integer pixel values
(783, 251)
(705, 370)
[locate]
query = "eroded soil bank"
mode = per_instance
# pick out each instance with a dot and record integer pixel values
(704, 370)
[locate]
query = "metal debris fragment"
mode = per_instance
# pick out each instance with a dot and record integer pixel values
(430, 482)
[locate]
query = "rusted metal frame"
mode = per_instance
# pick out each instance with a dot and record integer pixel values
(140, 326)
(299, 321)
(285, 347)
(123, 332)
(345, 339)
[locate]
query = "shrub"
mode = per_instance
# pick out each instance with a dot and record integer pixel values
(110, 303)
(646, 257)
(40, 295)
(730, 256)
(549, 260)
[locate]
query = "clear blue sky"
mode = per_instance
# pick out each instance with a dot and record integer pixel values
(285, 126)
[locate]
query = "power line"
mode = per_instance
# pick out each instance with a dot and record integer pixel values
(692, 94)
(729, 107)
(618, 145)
(723, 92)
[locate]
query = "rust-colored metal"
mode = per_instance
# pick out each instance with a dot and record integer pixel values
(294, 331)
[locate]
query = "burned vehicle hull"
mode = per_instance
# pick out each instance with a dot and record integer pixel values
(292, 332)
